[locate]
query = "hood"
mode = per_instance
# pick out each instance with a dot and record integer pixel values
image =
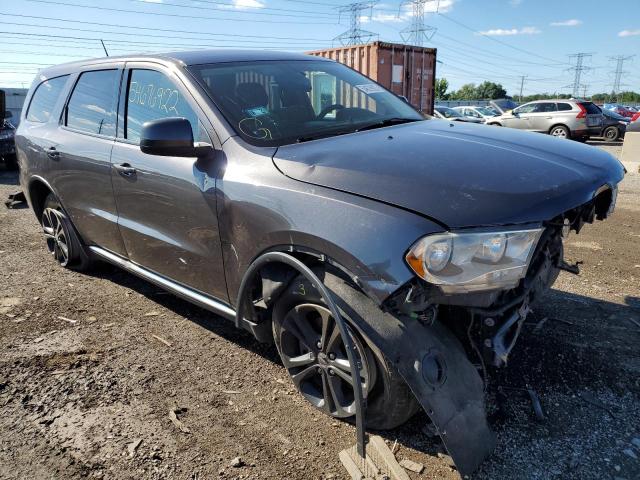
(458, 174)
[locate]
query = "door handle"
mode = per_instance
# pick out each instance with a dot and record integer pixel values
(53, 154)
(125, 169)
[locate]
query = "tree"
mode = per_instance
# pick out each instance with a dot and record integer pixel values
(466, 92)
(442, 85)
(490, 91)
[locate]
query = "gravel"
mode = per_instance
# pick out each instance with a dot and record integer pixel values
(90, 399)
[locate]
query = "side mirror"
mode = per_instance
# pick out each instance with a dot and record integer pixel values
(170, 137)
(8, 114)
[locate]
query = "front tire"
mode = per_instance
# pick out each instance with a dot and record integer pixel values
(313, 352)
(61, 238)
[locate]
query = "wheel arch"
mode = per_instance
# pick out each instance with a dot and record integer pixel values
(265, 285)
(37, 192)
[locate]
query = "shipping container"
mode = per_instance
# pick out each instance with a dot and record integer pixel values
(406, 70)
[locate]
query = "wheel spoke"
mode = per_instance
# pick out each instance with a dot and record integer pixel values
(337, 396)
(299, 361)
(300, 328)
(327, 393)
(346, 376)
(327, 322)
(304, 374)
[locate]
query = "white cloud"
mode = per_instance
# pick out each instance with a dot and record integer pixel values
(504, 32)
(574, 22)
(515, 3)
(152, 1)
(629, 33)
(244, 4)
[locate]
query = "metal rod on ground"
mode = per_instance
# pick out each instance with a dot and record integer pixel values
(280, 257)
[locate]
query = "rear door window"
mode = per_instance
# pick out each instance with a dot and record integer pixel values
(45, 98)
(92, 106)
(545, 108)
(151, 95)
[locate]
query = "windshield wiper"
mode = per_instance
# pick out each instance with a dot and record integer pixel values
(387, 122)
(320, 135)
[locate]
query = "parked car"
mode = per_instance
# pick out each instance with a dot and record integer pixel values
(7, 143)
(575, 119)
(484, 114)
(619, 109)
(614, 126)
(636, 117)
(447, 113)
(266, 187)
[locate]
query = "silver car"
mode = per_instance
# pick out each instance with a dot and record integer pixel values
(576, 119)
(484, 114)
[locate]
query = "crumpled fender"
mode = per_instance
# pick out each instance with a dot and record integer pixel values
(436, 368)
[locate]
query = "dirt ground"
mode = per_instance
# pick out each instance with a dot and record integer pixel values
(92, 365)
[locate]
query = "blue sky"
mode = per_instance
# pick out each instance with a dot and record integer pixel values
(477, 40)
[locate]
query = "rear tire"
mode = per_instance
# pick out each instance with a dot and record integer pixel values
(61, 237)
(560, 131)
(390, 402)
(611, 134)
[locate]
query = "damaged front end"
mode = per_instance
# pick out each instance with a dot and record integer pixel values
(487, 325)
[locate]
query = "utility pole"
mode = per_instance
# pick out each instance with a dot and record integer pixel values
(578, 70)
(584, 91)
(355, 35)
(418, 32)
(620, 59)
(522, 79)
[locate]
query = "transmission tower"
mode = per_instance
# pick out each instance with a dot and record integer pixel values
(355, 35)
(578, 70)
(418, 32)
(617, 82)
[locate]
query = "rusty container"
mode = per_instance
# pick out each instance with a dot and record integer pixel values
(406, 70)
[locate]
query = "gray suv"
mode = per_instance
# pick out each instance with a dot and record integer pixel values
(286, 192)
(559, 118)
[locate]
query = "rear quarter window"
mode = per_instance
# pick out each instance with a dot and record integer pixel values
(44, 99)
(564, 107)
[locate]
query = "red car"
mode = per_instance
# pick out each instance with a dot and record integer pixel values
(635, 117)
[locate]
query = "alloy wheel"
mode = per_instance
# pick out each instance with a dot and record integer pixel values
(314, 354)
(559, 132)
(54, 234)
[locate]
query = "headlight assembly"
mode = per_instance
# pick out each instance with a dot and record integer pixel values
(468, 262)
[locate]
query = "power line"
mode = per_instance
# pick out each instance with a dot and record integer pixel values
(262, 40)
(259, 11)
(418, 32)
(579, 68)
(174, 15)
(457, 22)
(155, 29)
(355, 35)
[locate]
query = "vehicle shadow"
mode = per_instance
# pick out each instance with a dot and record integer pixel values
(605, 143)
(572, 348)
(8, 177)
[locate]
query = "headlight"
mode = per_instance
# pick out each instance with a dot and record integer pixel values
(468, 262)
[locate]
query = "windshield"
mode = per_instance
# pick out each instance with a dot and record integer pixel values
(272, 103)
(487, 112)
(448, 112)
